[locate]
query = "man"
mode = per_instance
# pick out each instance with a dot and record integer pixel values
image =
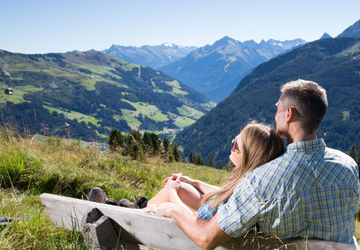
(310, 191)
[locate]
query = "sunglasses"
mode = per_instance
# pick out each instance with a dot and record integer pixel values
(234, 149)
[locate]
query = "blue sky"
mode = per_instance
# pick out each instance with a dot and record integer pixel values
(35, 26)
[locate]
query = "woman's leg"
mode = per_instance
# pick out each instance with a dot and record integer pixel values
(188, 194)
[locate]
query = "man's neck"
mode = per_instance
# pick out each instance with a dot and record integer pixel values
(296, 134)
(301, 137)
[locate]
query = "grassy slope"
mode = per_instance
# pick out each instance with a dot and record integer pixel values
(29, 167)
(45, 75)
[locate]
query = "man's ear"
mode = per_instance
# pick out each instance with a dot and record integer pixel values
(290, 113)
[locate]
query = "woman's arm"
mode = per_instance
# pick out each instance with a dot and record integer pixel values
(173, 188)
(204, 187)
(206, 234)
(178, 192)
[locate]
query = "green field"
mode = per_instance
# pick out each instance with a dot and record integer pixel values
(183, 122)
(18, 93)
(148, 110)
(72, 115)
(29, 167)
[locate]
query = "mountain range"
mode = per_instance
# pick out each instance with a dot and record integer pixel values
(333, 62)
(151, 56)
(213, 70)
(93, 93)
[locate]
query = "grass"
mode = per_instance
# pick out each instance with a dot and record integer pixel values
(19, 92)
(29, 167)
(33, 230)
(145, 109)
(190, 112)
(72, 115)
(130, 117)
(183, 122)
(89, 84)
(176, 88)
(153, 113)
(357, 230)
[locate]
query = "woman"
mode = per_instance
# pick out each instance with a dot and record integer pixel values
(255, 145)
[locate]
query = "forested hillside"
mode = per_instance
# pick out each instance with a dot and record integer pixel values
(333, 63)
(86, 94)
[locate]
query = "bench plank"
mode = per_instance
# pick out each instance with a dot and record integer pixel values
(154, 231)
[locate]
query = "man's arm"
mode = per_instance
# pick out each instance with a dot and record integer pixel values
(206, 234)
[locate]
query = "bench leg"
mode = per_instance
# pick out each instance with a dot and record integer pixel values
(99, 232)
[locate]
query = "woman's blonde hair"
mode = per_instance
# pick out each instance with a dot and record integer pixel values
(258, 145)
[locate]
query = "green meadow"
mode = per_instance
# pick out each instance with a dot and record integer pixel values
(30, 166)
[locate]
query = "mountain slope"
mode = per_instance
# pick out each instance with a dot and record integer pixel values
(353, 30)
(94, 93)
(215, 70)
(333, 63)
(150, 56)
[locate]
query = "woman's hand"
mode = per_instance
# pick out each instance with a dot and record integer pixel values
(173, 183)
(181, 177)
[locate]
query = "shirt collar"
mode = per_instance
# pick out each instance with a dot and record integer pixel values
(306, 146)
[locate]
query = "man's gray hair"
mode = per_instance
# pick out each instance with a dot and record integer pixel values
(308, 99)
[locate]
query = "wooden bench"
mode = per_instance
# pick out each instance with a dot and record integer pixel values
(136, 229)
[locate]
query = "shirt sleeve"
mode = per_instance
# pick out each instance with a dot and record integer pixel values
(241, 211)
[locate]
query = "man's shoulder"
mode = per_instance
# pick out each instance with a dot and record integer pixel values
(336, 152)
(342, 160)
(339, 156)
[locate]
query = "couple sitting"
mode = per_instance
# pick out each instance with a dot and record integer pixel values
(309, 190)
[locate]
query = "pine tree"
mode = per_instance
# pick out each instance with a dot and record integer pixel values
(136, 135)
(212, 162)
(116, 139)
(166, 145)
(167, 152)
(156, 143)
(134, 147)
(353, 152)
(135, 151)
(192, 157)
(147, 142)
(199, 160)
(221, 166)
(176, 153)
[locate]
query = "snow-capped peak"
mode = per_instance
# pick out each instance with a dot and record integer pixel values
(168, 45)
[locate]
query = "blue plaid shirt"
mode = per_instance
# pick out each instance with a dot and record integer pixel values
(310, 191)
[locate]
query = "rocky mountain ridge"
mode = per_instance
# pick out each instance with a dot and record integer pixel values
(215, 70)
(151, 56)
